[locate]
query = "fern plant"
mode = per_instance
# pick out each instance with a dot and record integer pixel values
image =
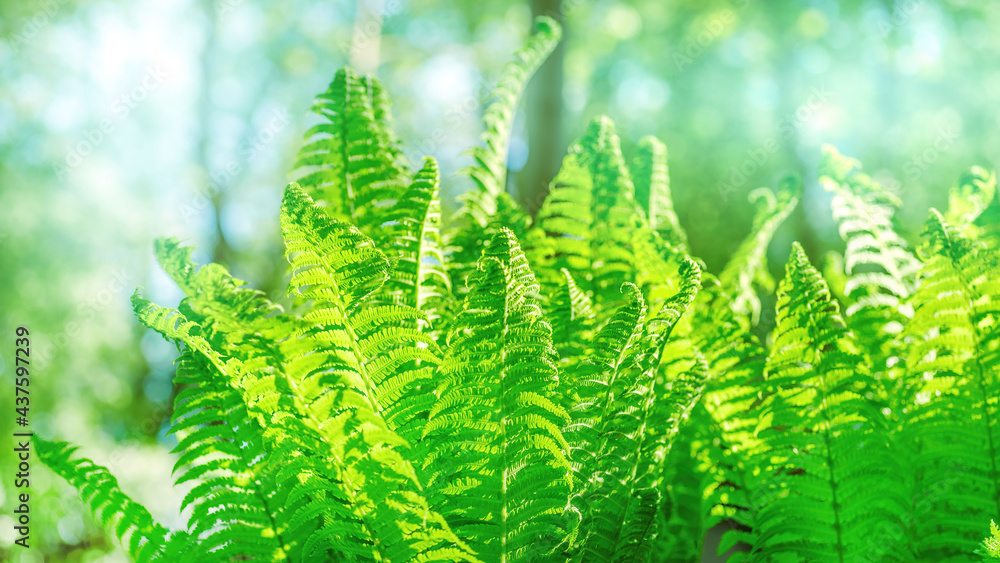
(573, 387)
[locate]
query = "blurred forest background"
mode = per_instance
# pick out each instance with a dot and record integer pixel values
(122, 121)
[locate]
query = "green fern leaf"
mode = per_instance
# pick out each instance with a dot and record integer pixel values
(490, 169)
(652, 191)
(413, 243)
(495, 452)
(337, 268)
(353, 163)
(616, 215)
(951, 387)
(969, 198)
(881, 267)
(142, 537)
(825, 453)
(748, 265)
(625, 420)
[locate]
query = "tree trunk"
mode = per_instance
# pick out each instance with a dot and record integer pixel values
(544, 108)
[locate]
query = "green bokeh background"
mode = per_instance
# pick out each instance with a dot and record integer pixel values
(122, 121)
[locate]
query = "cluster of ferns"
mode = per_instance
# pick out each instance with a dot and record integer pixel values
(573, 387)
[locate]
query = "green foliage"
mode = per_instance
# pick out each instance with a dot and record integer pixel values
(991, 545)
(578, 389)
(490, 169)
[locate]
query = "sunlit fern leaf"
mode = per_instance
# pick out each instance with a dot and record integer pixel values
(969, 198)
(652, 190)
(881, 267)
(413, 242)
(625, 420)
(824, 447)
(143, 538)
(681, 374)
(365, 442)
(354, 166)
(609, 388)
(681, 523)
(991, 545)
(679, 518)
(988, 223)
(490, 169)
(952, 388)
(747, 269)
(615, 213)
(262, 400)
(239, 486)
(565, 224)
(736, 363)
(572, 315)
(337, 452)
(237, 498)
(335, 267)
(488, 208)
(496, 454)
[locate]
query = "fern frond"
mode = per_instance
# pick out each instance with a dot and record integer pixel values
(238, 501)
(413, 243)
(565, 225)
(607, 389)
(353, 160)
(825, 449)
(951, 387)
(490, 169)
(625, 420)
(969, 198)
(881, 267)
(336, 268)
(495, 451)
(991, 545)
(651, 177)
(736, 362)
(747, 267)
(615, 213)
(336, 452)
(143, 538)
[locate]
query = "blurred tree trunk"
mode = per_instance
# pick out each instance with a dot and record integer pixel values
(544, 110)
(222, 253)
(366, 42)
